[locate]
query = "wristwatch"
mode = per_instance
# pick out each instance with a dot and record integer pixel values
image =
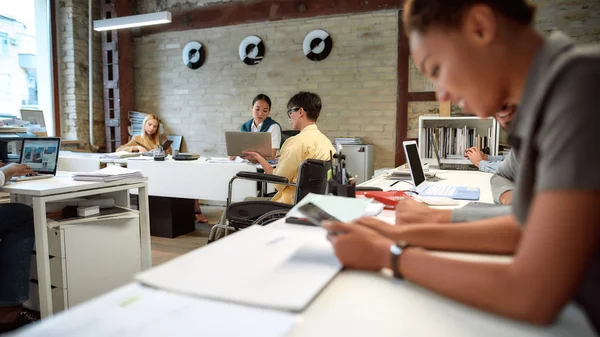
(397, 250)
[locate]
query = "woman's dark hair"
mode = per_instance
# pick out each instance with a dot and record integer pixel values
(262, 97)
(420, 15)
(310, 102)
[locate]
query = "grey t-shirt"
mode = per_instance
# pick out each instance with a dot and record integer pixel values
(555, 136)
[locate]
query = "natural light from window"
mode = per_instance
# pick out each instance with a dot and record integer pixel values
(25, 62)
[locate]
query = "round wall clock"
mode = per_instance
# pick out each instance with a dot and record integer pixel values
(252, 50)
(193, 55)
(317, 45)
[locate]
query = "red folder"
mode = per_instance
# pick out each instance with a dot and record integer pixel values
(388, 198)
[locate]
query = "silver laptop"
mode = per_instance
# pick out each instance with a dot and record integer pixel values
(41, 154)
(238, 142)
(451, 164)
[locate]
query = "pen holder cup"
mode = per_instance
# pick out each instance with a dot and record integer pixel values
(341, 190)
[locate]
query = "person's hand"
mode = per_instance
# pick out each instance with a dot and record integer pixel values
(409, 211)
(475, 156)
(252, 156)
(141, 149)
(506, 198)
(359, 247)
(16, 170)
(232, 157)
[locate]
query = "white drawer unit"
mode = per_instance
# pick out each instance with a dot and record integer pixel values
(89, 257)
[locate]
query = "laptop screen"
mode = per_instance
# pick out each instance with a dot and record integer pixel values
(414, 161)
(41, 154)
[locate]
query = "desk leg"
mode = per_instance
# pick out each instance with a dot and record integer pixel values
(42, 258)
(145, 227)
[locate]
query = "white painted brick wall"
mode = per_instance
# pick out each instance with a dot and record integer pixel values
(580, 19)
(357, 82)
(72, 21)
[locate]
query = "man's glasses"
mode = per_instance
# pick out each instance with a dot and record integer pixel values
(291, 111)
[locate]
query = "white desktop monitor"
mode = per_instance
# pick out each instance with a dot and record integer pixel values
(411, 152)
(41, 154)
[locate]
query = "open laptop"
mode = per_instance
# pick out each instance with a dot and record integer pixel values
(451, 164)
(238, 142)
(433, 190)
(41, 154)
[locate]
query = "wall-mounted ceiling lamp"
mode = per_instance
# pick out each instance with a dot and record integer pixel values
(132, 21)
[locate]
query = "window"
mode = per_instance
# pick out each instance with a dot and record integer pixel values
(4, 44)
(25, 60)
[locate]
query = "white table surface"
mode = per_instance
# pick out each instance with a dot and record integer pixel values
(195, 179)
(62, 183)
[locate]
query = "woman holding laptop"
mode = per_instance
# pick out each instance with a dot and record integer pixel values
(261, 122)
(486, 56)
(148, 140)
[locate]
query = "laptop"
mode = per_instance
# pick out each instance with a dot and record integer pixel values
(41, 154)
(451, 164)
(433, 190)
(237, 142)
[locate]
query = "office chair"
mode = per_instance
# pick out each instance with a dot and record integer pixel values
(285, 134)
(312, 178)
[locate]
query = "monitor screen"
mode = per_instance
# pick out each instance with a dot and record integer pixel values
(41, 154)
(414, 161)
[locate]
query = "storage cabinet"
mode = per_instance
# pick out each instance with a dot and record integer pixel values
(89, 257)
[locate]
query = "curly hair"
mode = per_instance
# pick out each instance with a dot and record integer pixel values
(421, 15)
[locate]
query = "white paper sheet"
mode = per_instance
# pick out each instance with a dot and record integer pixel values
(134, 310)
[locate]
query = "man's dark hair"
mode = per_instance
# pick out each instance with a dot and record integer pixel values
(421, 15)
(310, 102)
(262, 97)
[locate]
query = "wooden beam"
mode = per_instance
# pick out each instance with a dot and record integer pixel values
(426, 96)
(55, 74)
(402, 101)
(236, 13)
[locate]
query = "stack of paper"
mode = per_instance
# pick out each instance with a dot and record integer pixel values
(108, 174)
(121, 154)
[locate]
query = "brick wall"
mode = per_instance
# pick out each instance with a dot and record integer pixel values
(357, 82)
(579, 19)
(72, 30)
(148, 6)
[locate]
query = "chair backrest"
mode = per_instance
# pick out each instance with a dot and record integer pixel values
(285, 134)
(312, 178)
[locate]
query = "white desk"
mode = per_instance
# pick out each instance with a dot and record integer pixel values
(39, 192)
(353, 304)
(195, 179)
(477, 179)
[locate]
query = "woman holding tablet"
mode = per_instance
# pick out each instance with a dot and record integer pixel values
(485, 56)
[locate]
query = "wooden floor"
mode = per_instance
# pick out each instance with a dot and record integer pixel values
(164, 249)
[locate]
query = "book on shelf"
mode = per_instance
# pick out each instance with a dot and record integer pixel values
(453, 142)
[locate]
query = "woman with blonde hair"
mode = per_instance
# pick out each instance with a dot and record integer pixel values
(148, 140)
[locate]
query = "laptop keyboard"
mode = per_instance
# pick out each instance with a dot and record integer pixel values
(439, 190)
(460, 167)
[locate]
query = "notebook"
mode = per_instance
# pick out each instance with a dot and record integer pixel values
(425, 189)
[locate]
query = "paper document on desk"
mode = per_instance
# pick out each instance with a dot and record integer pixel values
(259, 266)
(121, 154)
(135, 310)
(108, 174)
(344, 209)
(237, 160)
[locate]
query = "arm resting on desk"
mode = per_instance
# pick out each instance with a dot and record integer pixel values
(551, 256)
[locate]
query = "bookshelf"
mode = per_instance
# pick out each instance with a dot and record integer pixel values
(455, 134)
